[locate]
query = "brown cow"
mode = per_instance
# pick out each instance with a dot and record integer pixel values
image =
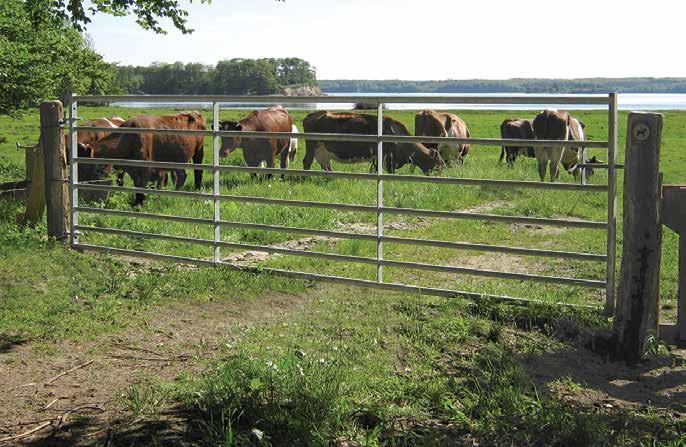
(396, 155)
(520, 130)
(157, 147)
(259, 150)
(550, 125)
(430, 123)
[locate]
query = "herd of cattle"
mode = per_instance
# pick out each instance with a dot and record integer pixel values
(167, 147)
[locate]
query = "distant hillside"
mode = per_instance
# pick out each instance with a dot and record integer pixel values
(589, 85)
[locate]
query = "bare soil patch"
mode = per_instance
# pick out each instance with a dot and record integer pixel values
(70, 382)
(659, 383)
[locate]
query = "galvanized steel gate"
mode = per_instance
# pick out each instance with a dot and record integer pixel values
(609, 101)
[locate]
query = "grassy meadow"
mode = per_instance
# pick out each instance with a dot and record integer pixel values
(351, 368)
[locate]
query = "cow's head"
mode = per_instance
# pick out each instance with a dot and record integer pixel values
(193, 119)
(400, 154)
(230, 144)
(89, 172)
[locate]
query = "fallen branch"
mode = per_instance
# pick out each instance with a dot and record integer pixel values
(83, 365)
(27, 433)
(50, 404)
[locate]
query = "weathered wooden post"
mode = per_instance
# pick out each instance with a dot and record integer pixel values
(674, 217)
(636, 313)
(56, 179)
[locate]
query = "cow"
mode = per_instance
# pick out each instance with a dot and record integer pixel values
(293, 147)
(572, 157)
(430, 123)
(518, 129)
(156, 147)
(86, 137)
(550, 124)
(260, 150)
(396, 155)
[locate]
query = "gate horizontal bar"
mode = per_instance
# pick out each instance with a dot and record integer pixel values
(396, 287)
(495, 274)
(400, 99)
(349, 175)
(350, 137)
(358, 236)
(569, 223)
(138, 215)
(349, 258)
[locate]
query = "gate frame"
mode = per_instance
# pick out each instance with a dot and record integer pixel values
(610, 225)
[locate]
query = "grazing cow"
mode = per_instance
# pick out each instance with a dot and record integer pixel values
(518, 129)
(572, 155)
(438, 124)
(396, 155)
(156, 147)
(550, 125)
(293, 148)
(260, 150)
(85, 137)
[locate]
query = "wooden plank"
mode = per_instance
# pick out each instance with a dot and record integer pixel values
(636, 313)
(56, 179)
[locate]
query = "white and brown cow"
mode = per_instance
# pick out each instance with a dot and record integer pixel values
(574, 156)
(550, 124)
(293, 148)
(430, 123)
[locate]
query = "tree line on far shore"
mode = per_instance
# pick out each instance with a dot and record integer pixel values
(235, 76)
(531, 85)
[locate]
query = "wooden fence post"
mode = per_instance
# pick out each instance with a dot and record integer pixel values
(56, 179)
(636, 314)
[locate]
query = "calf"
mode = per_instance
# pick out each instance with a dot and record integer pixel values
(518, 129)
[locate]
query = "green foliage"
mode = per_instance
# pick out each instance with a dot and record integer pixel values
(44, 59)
(517, 85)
(235, 76)
(147, 12)
(294, 400)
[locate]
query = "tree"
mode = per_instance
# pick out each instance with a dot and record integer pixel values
(43, 60)
(148, 13)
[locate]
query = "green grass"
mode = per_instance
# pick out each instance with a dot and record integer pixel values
(355, 365)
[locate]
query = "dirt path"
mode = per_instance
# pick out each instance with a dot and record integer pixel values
(71, 381)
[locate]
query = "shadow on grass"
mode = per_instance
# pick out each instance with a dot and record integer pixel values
(9, 342)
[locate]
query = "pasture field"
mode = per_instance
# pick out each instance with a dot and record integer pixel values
(331, 365)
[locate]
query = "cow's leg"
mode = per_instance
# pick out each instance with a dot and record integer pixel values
(310, 150)
(180, 179)
(197, 159)
(555, 160)
(120, 177)
(141, 178)
(284, 161)
(542, 159)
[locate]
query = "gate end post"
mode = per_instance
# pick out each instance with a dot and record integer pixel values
(636, 313)
(56, 179)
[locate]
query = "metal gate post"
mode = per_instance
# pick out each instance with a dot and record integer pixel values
(74, 177)
(379, 196)
(216, 143)
(611, 204)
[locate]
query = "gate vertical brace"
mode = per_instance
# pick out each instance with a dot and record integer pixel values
(613, 120)
(74, 177)
(379, 196)
(216, 143)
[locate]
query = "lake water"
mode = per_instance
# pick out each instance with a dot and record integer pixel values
(628, 101)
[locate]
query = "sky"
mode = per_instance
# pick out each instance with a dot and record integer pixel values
(420, 39)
